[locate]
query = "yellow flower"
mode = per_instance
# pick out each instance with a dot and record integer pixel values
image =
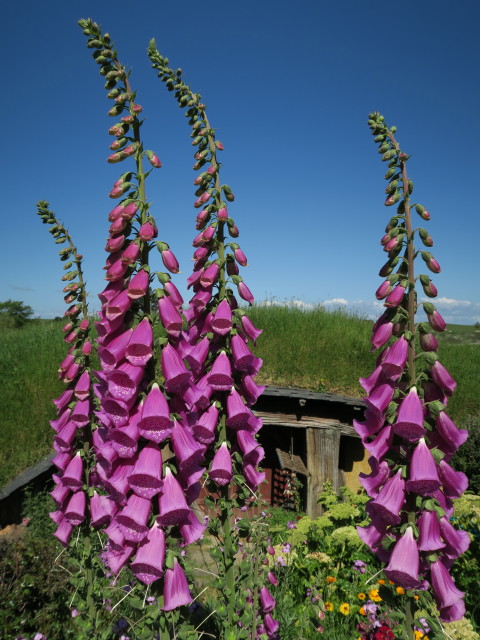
(415, 597)
(329, 606)
(418, 634)
(400, 590)
(382, 582)
(344, 608)
(361, 596)
(330, 579)
(362, 611)
(373, 595)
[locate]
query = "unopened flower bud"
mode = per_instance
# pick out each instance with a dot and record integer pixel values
(383, 290)
(154, 159)
(219, 145)
(137, 108)
(222, 214)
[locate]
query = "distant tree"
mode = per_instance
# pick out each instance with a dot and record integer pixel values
(13, 313)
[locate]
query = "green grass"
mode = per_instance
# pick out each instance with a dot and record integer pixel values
(315, 349)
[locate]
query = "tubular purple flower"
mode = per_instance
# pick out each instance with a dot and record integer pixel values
(175, 588)
(423, 478)
(130, 254)
(187, 450)
(102, 509)
(118, 307)
(192, 530)
(243, 359)
(375, 379)
(249, 328)
(155, 423)
(404, 562)
(272, 578)
(117, 411)
(220, 376)
(125, 439)
(433, 265)
(172, 504)
(253, 477)
(239, 415)
(173, 293)
(177, 378)
(117, 482)
(73, 474)
(395, 297)
(196, 357)
(382, 334)
(429, 528)
(378, 476)
(446, 593)
(381, 444)
(63, 532)
(251, 390)
(62, 401)
(222, 321)
(210, 275)
(428, 342)
(454, 612)
(123, 382)
(170, 261)
(133, 518)
(114, 350)
(267, 601)
(64, 438)
(82, 387)
(383, 290)
(442, 378)
(139, 348)
(245, 293)
(394, 361)
(454, 482)
(146, 477)
(389, 501)
(116, 271)
(116, 560)
(450, 434)
(58, 424)
(81, 413)
(221, 469)
(204, 428)
(372, 424)
(380, 398)
(436, 321)
(170, 317)
(373, 534)
(148, 563)
(138, 285)
(59, 494)
(409, 422)
(456, 541)
(75, 509)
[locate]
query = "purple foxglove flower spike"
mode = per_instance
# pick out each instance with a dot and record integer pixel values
(148, 563)
(454, 612)
(175, 588)
(423, 477)
(221, 469)
(409, 422)
(172, 504)
(146, 477)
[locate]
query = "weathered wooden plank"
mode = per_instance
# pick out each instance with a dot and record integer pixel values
(291, 420)
(294, 392)
(323, 448)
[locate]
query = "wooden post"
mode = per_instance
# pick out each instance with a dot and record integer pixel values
(323, 448)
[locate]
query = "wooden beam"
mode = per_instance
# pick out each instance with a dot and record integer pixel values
(290, 420)
(323, 447)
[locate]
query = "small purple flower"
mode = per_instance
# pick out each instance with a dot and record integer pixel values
(286, 548)
(291, 524)
(359, 566)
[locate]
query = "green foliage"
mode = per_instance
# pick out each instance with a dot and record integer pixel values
(466, 458)
(14, 314)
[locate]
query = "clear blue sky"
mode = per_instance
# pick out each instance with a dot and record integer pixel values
(288, 86)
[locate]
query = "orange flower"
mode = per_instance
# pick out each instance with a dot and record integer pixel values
(330, 579)
(362, 611)
(390, 582)
(415, 597)
(361, 596)
(400, 590)
(382, 582)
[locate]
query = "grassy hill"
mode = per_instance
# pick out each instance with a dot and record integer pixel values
(315, 349)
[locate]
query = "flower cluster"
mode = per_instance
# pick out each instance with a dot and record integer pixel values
(145, 499)
(406, 430)
(72, 426)
(214, 395)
